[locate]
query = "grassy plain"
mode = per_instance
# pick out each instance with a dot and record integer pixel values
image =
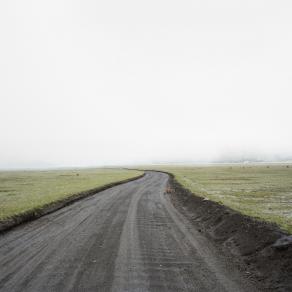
(261, 191)
(22, 191)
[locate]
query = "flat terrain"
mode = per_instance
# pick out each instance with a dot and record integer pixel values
(22, 191)
(127, 238)
(261, 191)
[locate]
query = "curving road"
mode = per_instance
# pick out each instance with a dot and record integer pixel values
(127, 238)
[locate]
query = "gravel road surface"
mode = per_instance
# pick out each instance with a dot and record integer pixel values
(127, 238)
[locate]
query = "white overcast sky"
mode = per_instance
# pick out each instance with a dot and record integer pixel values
(86, 82)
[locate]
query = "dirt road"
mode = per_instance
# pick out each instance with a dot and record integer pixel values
(127, 238)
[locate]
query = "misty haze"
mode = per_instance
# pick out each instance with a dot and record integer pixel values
(106, 83)
(145, 145)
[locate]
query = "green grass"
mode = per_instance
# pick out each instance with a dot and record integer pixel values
(22, 191)
(261, 191)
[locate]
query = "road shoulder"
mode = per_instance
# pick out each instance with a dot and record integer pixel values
(250, 244)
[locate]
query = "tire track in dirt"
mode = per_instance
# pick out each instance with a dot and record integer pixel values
(127, 238)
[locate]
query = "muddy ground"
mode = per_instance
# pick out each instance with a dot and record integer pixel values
(136, 237)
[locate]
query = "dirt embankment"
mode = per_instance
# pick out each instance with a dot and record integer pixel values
(260, 249)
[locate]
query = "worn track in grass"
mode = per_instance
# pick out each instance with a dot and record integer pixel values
(127, 238)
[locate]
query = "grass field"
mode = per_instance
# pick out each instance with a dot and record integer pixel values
(22, 191)
(262, 191)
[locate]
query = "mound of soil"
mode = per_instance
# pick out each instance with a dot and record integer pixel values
(260, 249)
